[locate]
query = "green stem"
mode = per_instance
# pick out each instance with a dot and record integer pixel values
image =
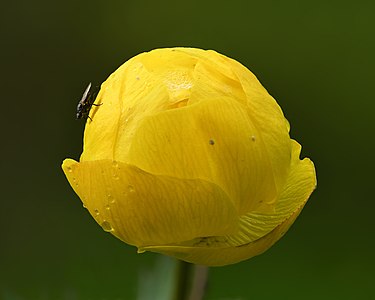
(182, 281)
(199, 284)
(191, 281)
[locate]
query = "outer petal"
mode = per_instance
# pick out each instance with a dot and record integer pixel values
(269, 119)
(211, 140)
(300, 184)
(146, 84)
(221, 256)
(143, 209)
(128, 95)
(228, 77)
(216, 251)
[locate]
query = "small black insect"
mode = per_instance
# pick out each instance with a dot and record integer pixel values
(84, 105)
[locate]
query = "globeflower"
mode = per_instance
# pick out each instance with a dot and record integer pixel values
(188, 155)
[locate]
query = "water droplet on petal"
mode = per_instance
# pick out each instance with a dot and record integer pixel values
(131, 188)
(253, 138)
(96, 212)
(84, 205)
(69, 169)
(110, 198)
(107, 207)
(107, 226)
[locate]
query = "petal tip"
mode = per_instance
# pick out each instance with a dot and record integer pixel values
(68, 163)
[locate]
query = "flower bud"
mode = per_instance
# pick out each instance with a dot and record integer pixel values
(189, 156)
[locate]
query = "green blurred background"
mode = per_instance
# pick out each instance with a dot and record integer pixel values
(315, 57)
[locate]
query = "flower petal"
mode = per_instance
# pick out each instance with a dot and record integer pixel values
(128, 95)
(202, 141)
(217, 251)
(221, 256)
(300, 184)
(143, 209)
(269, 119)
(216, 73)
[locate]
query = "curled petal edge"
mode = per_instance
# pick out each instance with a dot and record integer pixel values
(142, 209)
(221, 256)
(219, 251)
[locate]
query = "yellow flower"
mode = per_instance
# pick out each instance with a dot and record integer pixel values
(189, 156)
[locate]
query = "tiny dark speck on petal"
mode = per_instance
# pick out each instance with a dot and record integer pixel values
(211, 142)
